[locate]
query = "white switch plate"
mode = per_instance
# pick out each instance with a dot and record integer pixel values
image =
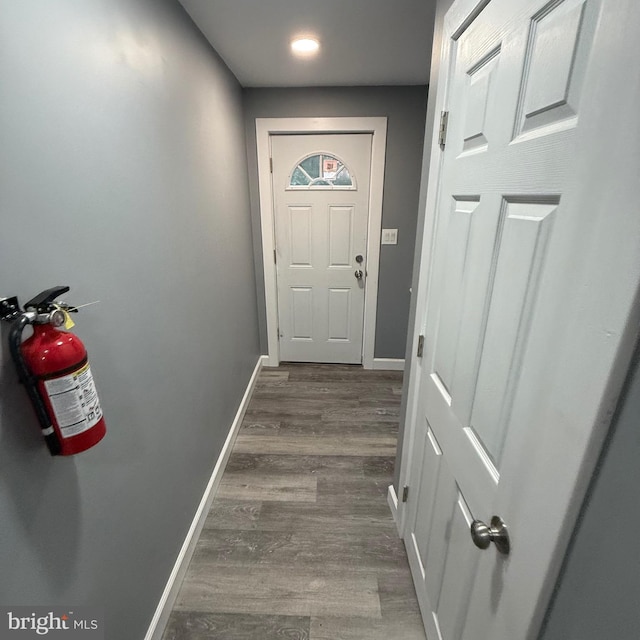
(389, 236)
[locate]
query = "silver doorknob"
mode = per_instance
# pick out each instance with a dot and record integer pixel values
(483, 535)
(358, 274)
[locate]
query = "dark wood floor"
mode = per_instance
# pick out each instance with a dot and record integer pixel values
(300, 543)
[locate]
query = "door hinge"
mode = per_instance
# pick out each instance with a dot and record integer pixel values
(405, 493)
(420, 346)
(271, 165)
(442, 135)
(275, 259)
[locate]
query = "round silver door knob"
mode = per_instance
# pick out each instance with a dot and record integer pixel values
(483, 535)
(358, 274)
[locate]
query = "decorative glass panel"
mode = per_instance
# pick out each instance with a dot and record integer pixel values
(312, 166)
(343, 179)
(321, 170)
(299, 178)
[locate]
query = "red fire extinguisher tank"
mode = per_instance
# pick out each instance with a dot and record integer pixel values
(58, 361)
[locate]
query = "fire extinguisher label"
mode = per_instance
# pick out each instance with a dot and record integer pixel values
(74, 400)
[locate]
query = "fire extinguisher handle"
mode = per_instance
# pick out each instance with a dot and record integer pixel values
(43, 301)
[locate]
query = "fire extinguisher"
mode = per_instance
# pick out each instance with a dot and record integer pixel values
(53, 366)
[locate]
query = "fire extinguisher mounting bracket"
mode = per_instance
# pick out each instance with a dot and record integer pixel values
(9, 308)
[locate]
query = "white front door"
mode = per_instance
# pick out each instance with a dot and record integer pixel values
(531, 301)
(321, 190)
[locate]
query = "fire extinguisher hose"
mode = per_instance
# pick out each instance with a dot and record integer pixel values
(27, 378)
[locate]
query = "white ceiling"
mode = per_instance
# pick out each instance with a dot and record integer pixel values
(363, 42)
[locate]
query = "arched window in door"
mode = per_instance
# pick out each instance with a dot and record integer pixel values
(321, 171)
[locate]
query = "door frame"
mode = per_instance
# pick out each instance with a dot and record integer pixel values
(458, 17)
(265, 128)
(430, 182)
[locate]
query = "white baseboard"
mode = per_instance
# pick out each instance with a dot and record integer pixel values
(392, 501)
(384, 364)
(270, 361)
(390, 364)
(167, 600)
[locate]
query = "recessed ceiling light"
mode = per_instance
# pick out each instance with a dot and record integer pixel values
(305, 46)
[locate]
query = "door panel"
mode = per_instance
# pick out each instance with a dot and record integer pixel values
(458, 573)
(481, 79)
(300, 250)
(301, 312)
(435, 555)
(300, 236)
(341, 236)
(430, 470)
(523, 241)
(442, 527)
(319, 230)
(339, 314)
(527, 321)
(456, 264)
(558, 40)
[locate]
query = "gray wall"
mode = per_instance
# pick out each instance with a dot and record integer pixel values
(123, 174)
(405, 110)
(599, 588)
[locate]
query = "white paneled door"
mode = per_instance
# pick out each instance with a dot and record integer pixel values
(321, 191)
(530, 306)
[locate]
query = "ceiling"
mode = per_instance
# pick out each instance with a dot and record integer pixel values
(362, 42)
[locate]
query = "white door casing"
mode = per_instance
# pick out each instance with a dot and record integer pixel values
(265, 128)
(531, 309)
(320, 231)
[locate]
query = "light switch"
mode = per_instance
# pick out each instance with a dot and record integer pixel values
(389, 236)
